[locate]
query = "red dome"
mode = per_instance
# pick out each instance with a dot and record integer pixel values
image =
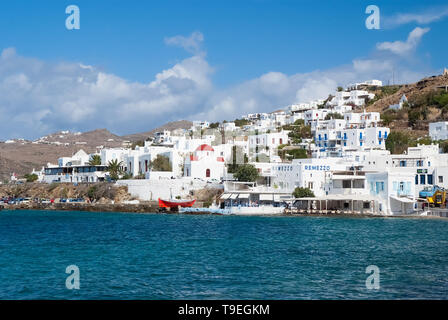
(204, 147)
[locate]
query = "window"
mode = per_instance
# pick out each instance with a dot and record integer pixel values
(207, 173)
(429, 178)
(416, 179)
(440, 179)
(422, 179)
(403, 163)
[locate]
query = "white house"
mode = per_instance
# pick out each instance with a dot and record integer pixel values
(306, 173)
(267, 143)
(356, 97)
(79, 158)
(204, 164)
(400, 103)
(438, 130)
(394, 190)
(315, 114)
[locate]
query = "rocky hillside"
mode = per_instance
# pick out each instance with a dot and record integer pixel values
(22, 156)
(389, 95)
(102, 192)
(427, 101)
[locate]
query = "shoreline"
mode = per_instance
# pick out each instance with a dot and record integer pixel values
(153, 208)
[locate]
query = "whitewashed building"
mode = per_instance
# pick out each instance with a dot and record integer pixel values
(204, 164)
(438, 130)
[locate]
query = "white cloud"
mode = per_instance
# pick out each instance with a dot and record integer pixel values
(191, 44)
(37, 97)
(404, 48)
(73, 96)
(426, 17)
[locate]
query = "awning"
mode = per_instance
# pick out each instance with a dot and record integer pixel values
(266, 197)
(243, 196)
(278, 198)
(403, 199)
(340, 197)
(234, 196)
(225, 196)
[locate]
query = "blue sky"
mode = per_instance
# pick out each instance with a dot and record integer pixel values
(249, 55)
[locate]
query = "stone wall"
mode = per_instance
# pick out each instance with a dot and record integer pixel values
(152, 189)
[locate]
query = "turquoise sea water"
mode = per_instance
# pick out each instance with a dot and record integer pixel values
(155, 256)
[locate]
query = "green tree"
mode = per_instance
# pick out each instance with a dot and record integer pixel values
(387, 118)
(398, 141)
(444, 145)
(92, 193)
(241, 122)
(31, 177)
(114, 168)
(413, 116)
(298, 131)
(297, 154)
(441, 99)
(289, 154)
(236, 151)
(300, 192)
(161, 163)
(126, 176)
(334, 115)
(214, 125)
(246, 173)
(95, 160)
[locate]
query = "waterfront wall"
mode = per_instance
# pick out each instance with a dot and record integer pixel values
(152, 189)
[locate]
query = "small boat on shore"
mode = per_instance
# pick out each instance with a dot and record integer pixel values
(174, 203)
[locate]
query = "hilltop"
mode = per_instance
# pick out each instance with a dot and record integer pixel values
(427, 102)
(389, 95)
(170, 126)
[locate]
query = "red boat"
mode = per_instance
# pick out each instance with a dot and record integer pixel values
(175, 203)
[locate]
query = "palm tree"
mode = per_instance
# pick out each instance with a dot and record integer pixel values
(114, 168)
(95, 160)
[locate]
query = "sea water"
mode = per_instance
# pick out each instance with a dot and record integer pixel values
(173, 256)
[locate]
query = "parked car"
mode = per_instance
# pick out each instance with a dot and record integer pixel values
(25, 200)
